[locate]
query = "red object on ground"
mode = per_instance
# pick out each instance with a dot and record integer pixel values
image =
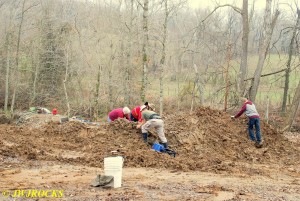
(54, 111)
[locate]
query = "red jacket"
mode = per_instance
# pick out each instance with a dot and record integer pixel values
(136, 113)
(117, 113)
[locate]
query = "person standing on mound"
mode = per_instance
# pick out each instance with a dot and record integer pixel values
(254, 120)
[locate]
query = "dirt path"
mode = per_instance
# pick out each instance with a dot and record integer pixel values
(149, 184)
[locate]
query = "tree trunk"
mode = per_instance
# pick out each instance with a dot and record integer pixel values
(244, 58)
(227, 76)
(32, 99)
(16, 83)
(129, 57)
(7, 71)
(293, 110)
(265, 39)
(163, 58)
(96, 98)
(110, 88)
(144, 50)
(200, 90)
(288, 66)
(65, 80)
(194, 86)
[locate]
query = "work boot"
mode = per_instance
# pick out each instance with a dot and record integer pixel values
(165, 145)
(145, 137)
(258, 144)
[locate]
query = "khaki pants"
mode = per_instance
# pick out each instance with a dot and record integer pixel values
(158, 124)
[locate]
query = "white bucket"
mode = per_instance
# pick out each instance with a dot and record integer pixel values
(113, 167)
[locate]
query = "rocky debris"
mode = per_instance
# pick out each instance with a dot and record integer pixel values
(35, 120)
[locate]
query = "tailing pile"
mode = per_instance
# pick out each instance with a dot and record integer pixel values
(205, 140)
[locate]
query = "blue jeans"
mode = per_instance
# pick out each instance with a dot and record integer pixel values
(256, 122)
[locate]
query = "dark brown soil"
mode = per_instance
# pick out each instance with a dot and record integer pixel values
(206, 140)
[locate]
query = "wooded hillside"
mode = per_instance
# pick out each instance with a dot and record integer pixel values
(88, 57)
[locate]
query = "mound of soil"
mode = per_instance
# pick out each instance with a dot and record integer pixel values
(204, 140)
(35, 120)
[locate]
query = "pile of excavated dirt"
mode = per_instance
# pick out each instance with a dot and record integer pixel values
(206, 140)
(36, 120)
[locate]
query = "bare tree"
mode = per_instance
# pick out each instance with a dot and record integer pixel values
(288, 65)
(266, 35)
(110, 76)
(96, 96)
(293, 110)
(35, 77)
(109, 63)
(51, 56)
(244, 57)
(16, 81)
(144, 50)
(67, 53)
(163, 56)
(7, 76)
(129, 56)
(227, 76)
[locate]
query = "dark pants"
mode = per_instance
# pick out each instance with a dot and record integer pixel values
(132, 118)
(254, 122)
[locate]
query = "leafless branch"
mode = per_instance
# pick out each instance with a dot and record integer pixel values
(281, 33)
(139, 3)
(220, 6)
(30, 8)
(264, 75)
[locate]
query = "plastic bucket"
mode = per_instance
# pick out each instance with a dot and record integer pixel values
(113, 166)
(54, 111)
(157, 147)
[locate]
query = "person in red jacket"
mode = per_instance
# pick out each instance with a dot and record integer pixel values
(251, 112)
(136, 114)
(118, 113)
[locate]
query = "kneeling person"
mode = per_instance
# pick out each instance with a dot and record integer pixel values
(151, 119)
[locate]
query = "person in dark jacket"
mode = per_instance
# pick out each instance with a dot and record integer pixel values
(254, 120)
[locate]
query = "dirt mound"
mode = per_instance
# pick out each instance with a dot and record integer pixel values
(35, 120)
(211, 138)
(205, 140)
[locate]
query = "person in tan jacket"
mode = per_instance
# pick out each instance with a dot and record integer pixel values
(151, 119)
